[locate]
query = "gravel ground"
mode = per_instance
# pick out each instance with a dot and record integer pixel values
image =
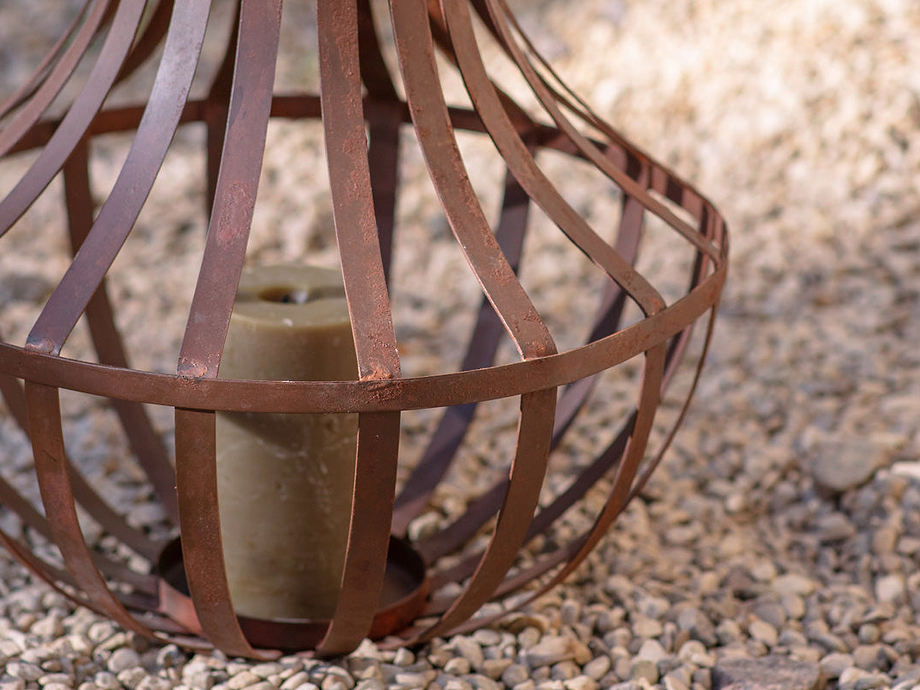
(779, 541)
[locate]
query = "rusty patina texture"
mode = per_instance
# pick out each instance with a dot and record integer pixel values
(184, 597)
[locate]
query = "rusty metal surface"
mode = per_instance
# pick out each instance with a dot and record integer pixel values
(185, 596)
(209, 318)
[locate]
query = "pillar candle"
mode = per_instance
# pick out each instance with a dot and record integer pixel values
(285, 480)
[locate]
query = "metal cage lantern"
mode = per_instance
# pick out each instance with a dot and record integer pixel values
(381, 105)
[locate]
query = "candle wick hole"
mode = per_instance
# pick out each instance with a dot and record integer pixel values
(294, 295)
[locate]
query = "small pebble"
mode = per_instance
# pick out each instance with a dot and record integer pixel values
(597, 668)
(470, 650)
(106, 681)
(644, 669)
(514, 675)
(835, 663)
(243, 679)
(551, 650)
(763, 631)
(458, 666)
(890, 589)
(156, 683)
(299, 681)
(132, 677)
(580, 683)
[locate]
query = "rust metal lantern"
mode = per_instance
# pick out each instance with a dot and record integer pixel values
(371, 112)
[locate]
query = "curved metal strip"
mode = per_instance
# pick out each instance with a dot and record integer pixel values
(40, 73)
(372, 324)
(626, 470)
(11, 391)
(574, 395)
(145, 443)
(10, 499)
(383, 124)
(113, 570)
(111, 521)
(196, 480)
(608, 321)
(588, 149)
(54, 482)
(542, 565)
(483, 344)
(15, 400)
(552, 559)
(623, 482)
(575, 552)
(443, 40)
(365, 557)
(122, 119)
(611, 455)
(209, 317)
(150, 38)
(714, 228)
(666, 443)
(511, 584)
(374, 73)
(620, 495)
(523, 492)
(527, 172)
(119, 212)
(353, 396)
(352, 197)
(216, 106)
(474, 517)
(24, 510)
(52, 84)
(53, 576)
(501, 287)
(588, 477)
(81, 113)
(570, 402)
(445, 165)
(582, 109)
(454, 535)
(237, 185)
(56, 579)
(384, 118)
(570, 99)
(413, 393)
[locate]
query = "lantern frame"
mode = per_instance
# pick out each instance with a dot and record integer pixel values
(184, 598)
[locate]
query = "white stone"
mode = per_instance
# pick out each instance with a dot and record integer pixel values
(890, 589)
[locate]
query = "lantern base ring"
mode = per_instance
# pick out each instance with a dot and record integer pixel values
(405, 591)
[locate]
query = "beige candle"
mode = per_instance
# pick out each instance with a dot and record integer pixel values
(285, 480)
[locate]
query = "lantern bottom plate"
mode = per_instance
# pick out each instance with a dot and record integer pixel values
(405, 591)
